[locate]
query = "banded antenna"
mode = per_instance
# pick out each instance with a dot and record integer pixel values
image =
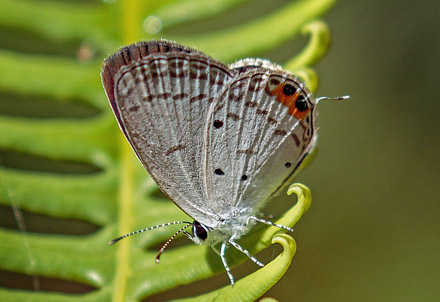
(337, 98)
(164, 246)
(152, 228)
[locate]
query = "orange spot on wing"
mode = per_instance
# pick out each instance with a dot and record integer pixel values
(296, 113)
(289, 101)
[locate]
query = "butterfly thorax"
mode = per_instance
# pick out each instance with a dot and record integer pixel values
(237, 224)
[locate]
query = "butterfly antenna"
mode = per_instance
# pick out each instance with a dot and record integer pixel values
(164, 246)
(337, 98)
(148, 229)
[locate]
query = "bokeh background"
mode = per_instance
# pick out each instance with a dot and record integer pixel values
(373, 231)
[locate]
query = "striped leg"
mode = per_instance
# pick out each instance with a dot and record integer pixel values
(188, 235)
(225, 264)
(215, 250)
(246, 252)
(270, 223)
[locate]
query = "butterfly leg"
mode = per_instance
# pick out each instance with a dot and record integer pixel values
(188, 235)
(269, 216)
(246, 252)
(225, 264)
(270, 223)
(217, 251)
(193, 238)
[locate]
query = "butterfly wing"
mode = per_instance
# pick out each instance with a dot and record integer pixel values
(161, 93)
(258, 133)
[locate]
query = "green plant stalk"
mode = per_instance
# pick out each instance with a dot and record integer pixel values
(254, 285)
(257, 36)
(130, 21)
(316, 47)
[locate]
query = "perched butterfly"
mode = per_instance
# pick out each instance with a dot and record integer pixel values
(219, 140)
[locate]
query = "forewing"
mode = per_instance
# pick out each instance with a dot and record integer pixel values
(161, 96)
(256, 138)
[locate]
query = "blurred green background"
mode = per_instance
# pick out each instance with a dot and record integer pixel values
(373, 232)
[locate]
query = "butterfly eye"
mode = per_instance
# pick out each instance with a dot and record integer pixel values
(289, 89)
(301, 104)
(200, 231)
(244, 177)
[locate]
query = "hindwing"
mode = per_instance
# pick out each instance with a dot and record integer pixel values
(258, 133)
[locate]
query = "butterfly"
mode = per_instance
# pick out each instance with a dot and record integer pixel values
(218, 140)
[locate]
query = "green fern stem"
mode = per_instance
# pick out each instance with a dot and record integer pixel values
(130, 20)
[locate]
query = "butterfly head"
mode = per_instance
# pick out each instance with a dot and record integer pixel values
(200, 232)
